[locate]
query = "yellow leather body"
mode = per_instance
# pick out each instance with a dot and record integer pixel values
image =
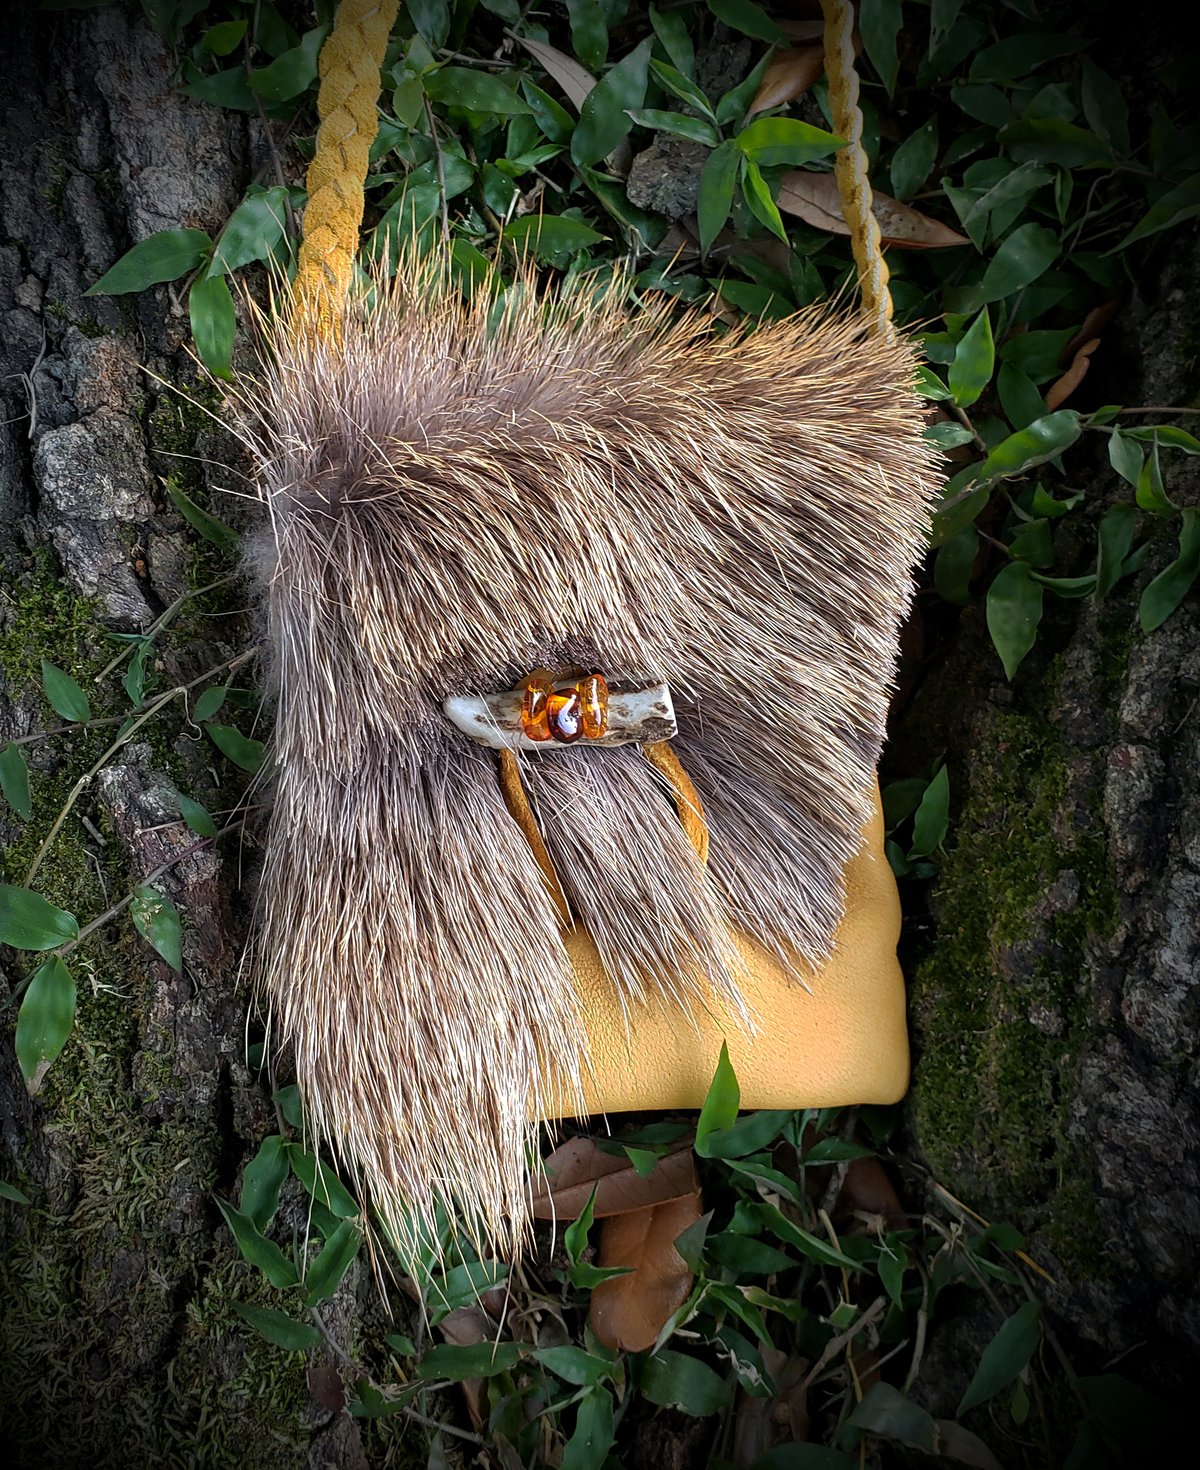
(837, 1040)
(842, 1041)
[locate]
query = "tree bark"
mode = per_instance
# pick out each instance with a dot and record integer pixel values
(120, 1345)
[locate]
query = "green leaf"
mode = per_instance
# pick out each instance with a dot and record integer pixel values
(604, 117)
(14, 780)
(196, 816)
(589, 32)
(287, 1100)
(156, 919)
(1013, 188)
(262, 1179)
(208, 703)
(929, 385)
(279, 1328)
(1105, 107)
(1115, 539)
(11, 1192)
(257, 1249)
(230, 89)
(783, 140)
(807, 1244)
(208, 526)
(324, 1276)
(687, 91)
(1034, 544)
(1171, 586)
(548, 235)
(163, 257)
(576, 1234)
(747, 1256)
(913, 161)
(220, 40)
(322, 1183)
(239, 748)
(672, 30)
(1170, 209)
(1004, 1358)
(677, 124)
(588, 1447)
(1125, 456)
(46, 1016)
(933, 816)
(214, 321)
(747, 1135)
(731, 109)
(478, 91)
(253, 231)
(1170, 436)
(974, 361)
(1151, 493)
(1020, 399)
(1020, 260)
(879, 22)
(720, 1109)
(1044, 439)
(1013, 59)
(479, 1360)
(887, 1412)
(408, 100)
(757, 194)
(750, 19)
(717, 183)
(27, 921)
(1014, 610)
(675, 1380)
(292, 72)
(574, 1365)
(66, 697)
(1052, 140)
(432, 20)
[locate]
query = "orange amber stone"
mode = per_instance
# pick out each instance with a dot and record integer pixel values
(535, 706)
(565, 714)
(593, 697)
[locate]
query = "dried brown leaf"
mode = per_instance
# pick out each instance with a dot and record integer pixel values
(1093, 326)
(761, 1424)
(628, 1312)
(813, 197)
(464, 1327)
(789, 75)
(575, 80)
(867, 1190)
(325, 1386)
(579, 1165)
(1062, 388)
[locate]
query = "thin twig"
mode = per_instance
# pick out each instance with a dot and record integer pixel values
(93, 770)
(162, 620)
(441, 167)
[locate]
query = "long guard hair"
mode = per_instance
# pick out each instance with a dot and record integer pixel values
(458, 491)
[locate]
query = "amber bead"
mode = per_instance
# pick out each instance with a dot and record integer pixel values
(535, 705)
(593, 697)
(565, 713)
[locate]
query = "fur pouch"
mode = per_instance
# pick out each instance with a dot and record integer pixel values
(458, 492)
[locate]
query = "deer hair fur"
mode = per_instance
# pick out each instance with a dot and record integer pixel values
(459, 490)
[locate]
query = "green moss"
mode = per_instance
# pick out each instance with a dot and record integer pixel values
(1001, 1007)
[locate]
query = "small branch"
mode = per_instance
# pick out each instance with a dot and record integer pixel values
(162, 621)
(441, 167)
(122, 739)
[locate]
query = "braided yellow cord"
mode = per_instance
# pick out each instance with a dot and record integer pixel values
(348, 107)
(850, 165)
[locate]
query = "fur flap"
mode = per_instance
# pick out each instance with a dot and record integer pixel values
(459, 492)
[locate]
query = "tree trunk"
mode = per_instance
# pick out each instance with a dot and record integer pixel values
(1055, 1015)
(120, 1345)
